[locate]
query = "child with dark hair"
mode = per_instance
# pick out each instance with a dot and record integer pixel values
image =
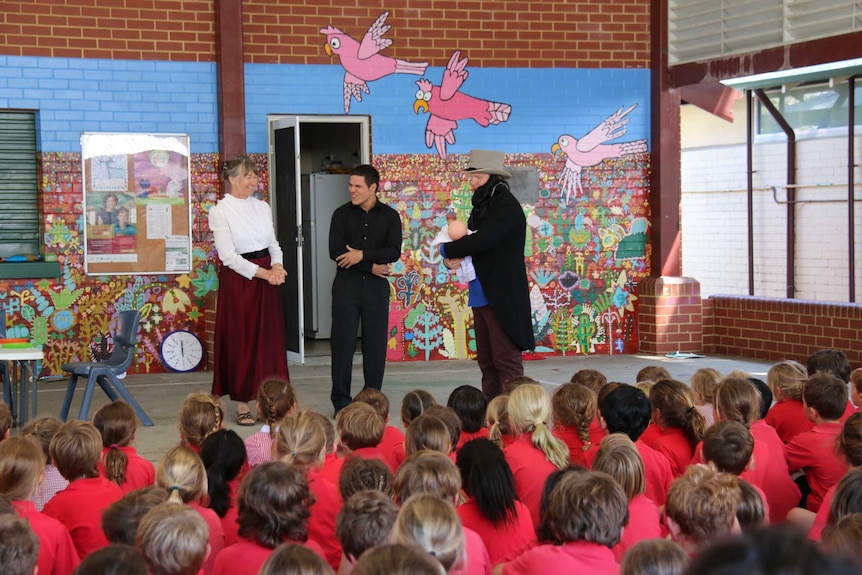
(173, 540)
(590, 378)
(75, 451)
(682, 425)
(275, 399)
(359, 474)
(274, 503)
(728, 445)
(453, 423)
(618, 457)
(120, 461)
(428, 432)
(492, 509)
(585, 516)
(765, 396)
(627, 410)
(824, 398)
(392, 436)
(43, 430)
(845, 537)
(751, 511)
(224, 458)
(120, 521)
(115, 559)
(832, 361)
(364, 522)
(575, 408)
(470, 405)
(654, 557)
(21, 469)
(19, 546)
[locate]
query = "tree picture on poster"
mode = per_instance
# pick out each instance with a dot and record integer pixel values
(137, 203)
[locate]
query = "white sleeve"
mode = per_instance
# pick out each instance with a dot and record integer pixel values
(225, 247)
(276, 256)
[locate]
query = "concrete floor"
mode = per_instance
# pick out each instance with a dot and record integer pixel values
(162, 394)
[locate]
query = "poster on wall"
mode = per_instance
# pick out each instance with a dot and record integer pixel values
(137, 203)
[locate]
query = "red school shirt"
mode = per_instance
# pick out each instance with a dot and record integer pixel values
(321, 524)
(578, 557)
(247, 557)
(781, 492)
(674, 445)
(569, 435)
(466, 437)
(139, 471)
(505, 541)
(372, 453)
(814, 453)
(476, 556)
(216, 540)
(57, 555)
(657, 472)
(531, 468)
(79, 507)
(392, 436)
(816, 531)
(787, 418)
(331, 469)
(644, 523)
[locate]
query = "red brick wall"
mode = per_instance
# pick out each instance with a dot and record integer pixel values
(552, 33)
(774, 329)
(669, 315)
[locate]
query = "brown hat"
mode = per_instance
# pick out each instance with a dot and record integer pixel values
(487, 162)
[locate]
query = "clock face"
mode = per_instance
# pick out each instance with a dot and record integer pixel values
(182, 351)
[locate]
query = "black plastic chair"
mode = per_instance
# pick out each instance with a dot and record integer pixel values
(105, 372)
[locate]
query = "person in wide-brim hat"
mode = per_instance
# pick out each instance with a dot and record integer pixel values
(487, 162)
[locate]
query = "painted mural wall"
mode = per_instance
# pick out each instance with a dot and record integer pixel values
(584, 131)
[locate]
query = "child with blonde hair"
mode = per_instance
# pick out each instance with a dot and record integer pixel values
(120, 461)
(392, 436)
(535, 453)
(654, 557)
(360, 431)
(575, 409)
(181, 473)
(301, 442)
(275, 399)
(497, 421)
(21, 469)
(786, 379)
(701, 507)
(75, 450)
(618, 457)
(200, 415)
(432, 524)
(43, 430)
(173, 540)
(295, 560)
(681, 424)
(704, 382)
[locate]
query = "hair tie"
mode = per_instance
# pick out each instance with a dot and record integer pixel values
(114, 446)
(293, 453)
(689, 410)
(174, 488)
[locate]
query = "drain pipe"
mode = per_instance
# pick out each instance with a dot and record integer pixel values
(851, 186)
(749, 158)
(791, 190)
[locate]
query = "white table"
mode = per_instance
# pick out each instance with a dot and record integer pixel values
(23, 376)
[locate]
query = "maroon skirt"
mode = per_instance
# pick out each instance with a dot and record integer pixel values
(250, 343)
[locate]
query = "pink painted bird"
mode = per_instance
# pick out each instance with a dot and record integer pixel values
(362, 61)
(447, 105)
(593, 149)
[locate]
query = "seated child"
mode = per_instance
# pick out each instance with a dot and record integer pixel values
(297, 559)
(360, 431)
(590, 378)
(120, 461)
(173, 540)
(618, 457)
(413, 405)
(682, 426)
(654, 557)
(359, 474)
(331, 462)
(427, 432)
(76, 450)
(751, 513)
(584, 519)
(275, 399)
(432, 524)
(392, 436)
(701, 507)
(364, 522)
(397, 559)
(575, 408)
(200, 415)
(120, 521)
(704, 382)
(273, 502)
(856, 387)
(787, 416)
(224, 458)
(448, 416)
(19, 546)
(455, 230)
(115, 559)
(470, 405)
(824, 397)
(497, 421)
(627, 410)
(43, 430)
(832, 361)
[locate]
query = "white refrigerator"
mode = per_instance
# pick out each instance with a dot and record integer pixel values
(321, 195)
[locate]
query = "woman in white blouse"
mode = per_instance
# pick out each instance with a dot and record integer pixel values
(250, 343)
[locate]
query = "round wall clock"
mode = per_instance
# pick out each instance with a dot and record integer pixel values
(182, 351)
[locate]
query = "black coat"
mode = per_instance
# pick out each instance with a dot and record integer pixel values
(497, 248)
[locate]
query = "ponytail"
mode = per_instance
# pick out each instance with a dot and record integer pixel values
(675, 402)
(555, 450)
(496, 435)
(116, 462)
(695, 425)
(175, 495)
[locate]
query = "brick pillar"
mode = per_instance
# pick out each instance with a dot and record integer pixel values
(209, 327)
(670, 315)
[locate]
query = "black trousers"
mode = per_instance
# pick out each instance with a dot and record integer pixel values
(358, 296)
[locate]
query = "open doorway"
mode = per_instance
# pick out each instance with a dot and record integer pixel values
(309, 159)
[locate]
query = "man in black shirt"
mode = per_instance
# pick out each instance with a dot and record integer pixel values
(364, 239)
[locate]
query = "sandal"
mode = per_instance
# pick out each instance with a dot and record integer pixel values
(245, 419)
